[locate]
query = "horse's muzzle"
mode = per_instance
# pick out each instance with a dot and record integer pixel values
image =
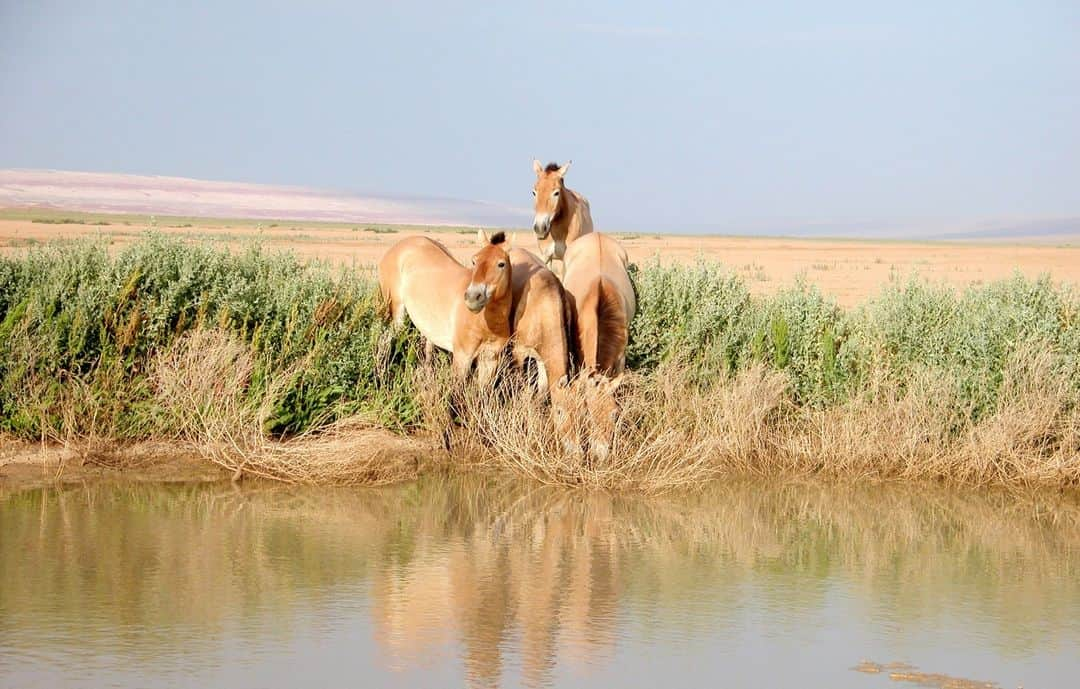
(542, 226)
(476, 298)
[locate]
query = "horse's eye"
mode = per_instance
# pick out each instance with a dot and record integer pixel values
(534, 192)
(555, 193)
(502, 264)
(474, 260)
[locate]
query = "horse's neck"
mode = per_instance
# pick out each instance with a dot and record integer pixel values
(570, 203)
(575, 219)
(497, 315)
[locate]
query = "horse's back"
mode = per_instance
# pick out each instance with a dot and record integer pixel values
(419, 275)
(413, 253)
(598, 254)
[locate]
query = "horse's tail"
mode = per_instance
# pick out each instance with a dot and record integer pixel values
(387, 274)
(570, 336)
(602, 328)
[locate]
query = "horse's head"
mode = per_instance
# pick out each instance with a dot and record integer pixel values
(603, 409)
(490, 278)
(547, 196)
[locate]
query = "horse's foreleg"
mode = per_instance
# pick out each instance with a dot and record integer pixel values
(542, 378)
(519, 355)
(485, 370)
(462, 364)
(397, 315)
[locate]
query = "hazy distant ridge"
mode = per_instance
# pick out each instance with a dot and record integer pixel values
(118, 193)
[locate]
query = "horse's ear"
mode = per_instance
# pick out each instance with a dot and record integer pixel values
(511, 239)
(537, 167)
(564, 168)
(482, 237)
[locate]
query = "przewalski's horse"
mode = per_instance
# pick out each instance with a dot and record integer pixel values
(597, 281)
(465, 311)
(540, 320)
(561, 213)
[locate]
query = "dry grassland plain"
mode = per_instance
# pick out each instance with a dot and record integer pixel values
(847, 270)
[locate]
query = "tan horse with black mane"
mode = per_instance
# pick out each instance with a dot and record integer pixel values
(540, 320)
(598, 283)
(465, 311)
(560, 212)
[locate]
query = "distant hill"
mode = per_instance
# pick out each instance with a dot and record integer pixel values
(116, 193)
(1032, 229)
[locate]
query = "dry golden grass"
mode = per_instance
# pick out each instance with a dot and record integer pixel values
(1033, 436)
(672, 432)
(203, 381)
(667, 434)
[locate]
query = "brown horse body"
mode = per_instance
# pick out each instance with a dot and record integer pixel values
(463, 311)
(539, 319)
(561, 214)
(597, 281)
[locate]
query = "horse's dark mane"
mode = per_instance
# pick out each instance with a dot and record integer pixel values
(552, 167)
(498, 238)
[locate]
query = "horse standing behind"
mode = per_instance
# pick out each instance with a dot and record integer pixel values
(561, 213)
(597, 281)
(464, 311)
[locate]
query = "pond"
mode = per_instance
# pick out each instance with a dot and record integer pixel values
(491, 581)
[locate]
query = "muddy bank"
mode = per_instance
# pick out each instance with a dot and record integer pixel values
(29, 465)
(368, 457)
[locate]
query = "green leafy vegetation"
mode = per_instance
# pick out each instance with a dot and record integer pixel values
(83, 330)
(706, 316)
(77, 313)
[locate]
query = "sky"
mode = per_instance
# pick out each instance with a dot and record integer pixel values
(679, 116)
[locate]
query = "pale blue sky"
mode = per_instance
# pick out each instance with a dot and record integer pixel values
(678, 115)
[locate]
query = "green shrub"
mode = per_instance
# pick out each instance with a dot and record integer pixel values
(74, 316)
(72, 311)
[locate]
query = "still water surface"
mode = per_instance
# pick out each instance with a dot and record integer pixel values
(494, 582)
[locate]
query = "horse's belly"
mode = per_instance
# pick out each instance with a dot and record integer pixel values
(430, 309)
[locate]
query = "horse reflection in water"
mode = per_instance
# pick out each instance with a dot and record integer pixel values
(518, 582)
(545, 574)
